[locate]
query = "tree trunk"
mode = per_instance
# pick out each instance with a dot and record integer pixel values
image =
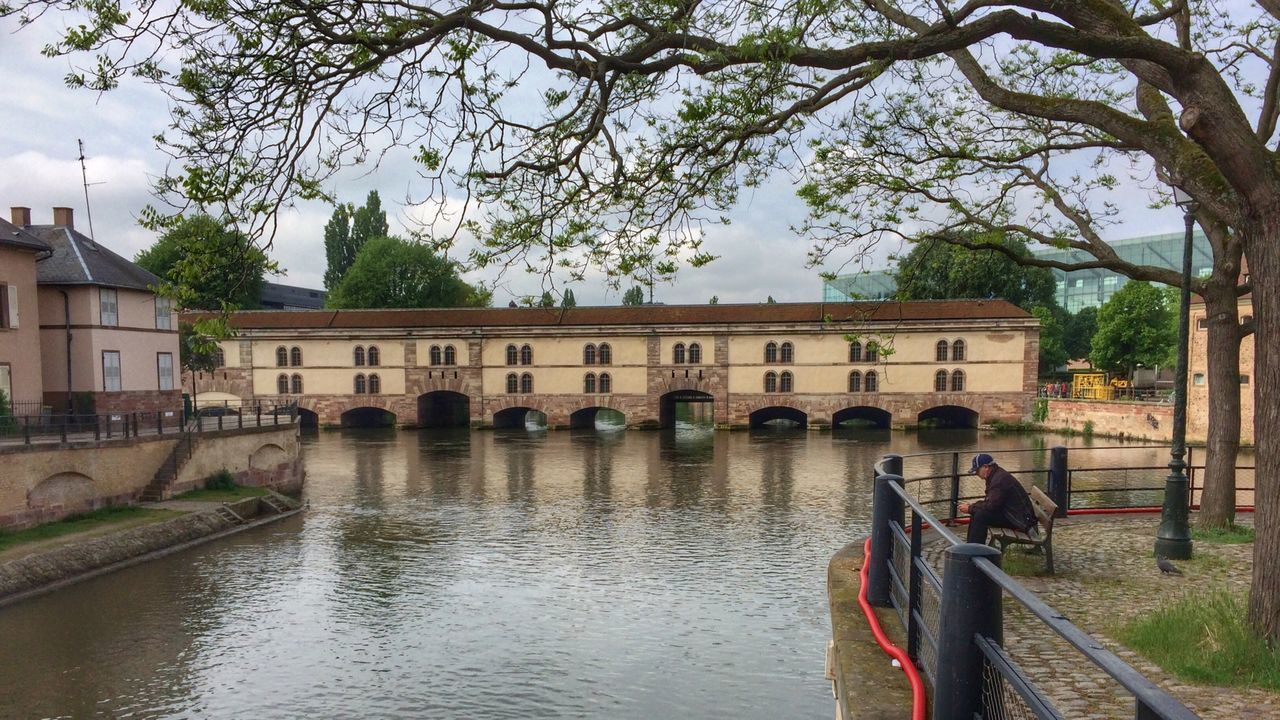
(1218, 498)
(1262, 247)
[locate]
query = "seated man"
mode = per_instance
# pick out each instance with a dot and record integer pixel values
(1006, 504)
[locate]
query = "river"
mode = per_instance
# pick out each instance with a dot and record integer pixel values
(446, 574)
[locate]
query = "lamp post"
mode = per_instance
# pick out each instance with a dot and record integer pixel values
(1173, 539)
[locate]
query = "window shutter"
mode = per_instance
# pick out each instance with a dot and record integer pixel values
(12, 306)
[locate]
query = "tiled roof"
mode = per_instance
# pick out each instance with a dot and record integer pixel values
(791, 313)
(77, 260)
(13, 236)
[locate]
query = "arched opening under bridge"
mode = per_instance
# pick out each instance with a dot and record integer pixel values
(687, 406)
(862, 417)
(592, 418)
(519, 418)
(444, 408)
(308, 419)
(366, 417)
(779, 416)
(948, 417)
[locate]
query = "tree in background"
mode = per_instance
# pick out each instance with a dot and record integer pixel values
(568, 300)
(1053, 351)
(207, 265)
(1133, 329)
(348, 229)
(769, 300)
(393, 273)
(634, 296)
(715, 300)
(1081, 328)
(936, 270)
(546, 300)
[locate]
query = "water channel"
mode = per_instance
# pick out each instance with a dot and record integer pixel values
(447, 574)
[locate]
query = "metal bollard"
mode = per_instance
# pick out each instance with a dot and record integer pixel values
(258, 415)
(135, 424)
(971, 605)
(159, 422)
(219, 422)
(1059, 489)
(886, 507)
(955, 486)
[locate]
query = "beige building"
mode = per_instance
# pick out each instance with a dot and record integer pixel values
(959, 363)
(1198, 375)
(20, 375)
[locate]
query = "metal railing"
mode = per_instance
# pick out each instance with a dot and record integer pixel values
(63, 428)
(955, 622)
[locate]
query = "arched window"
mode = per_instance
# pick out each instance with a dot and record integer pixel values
(295, 384)
(526, 383)
(855, 351)
(436, 355)
(589, 384)
(357, 356)
(788, 353)
(450, 355)
(606, 354)
(513, 355)
(282, 356)
(855, 382)
(282, 384)
(771, 352)
(606, 384)
(771, 382)
(526, 355)
(957, 381)
(295, 356)
(940, 380)
(957, 351)
(375, 384)
(219, 358)
(872, 383)
(677, 354)
(513, 384)
(873, 352)
(589, 354)
(695, 354)
(943, 347)
(785, 382)
(360, 384)
(375, 357)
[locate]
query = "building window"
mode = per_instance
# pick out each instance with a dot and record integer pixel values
(526, 355)
(1198, 379)
(8, 306)
(164, 313)
(108, 307)
(111, 370)
(677, 354)
(358, 356)
(282, 356)
(695, 354)
(606, 384)
(1202, 324)
(589, 354)
(219, 358)
(771, 382)
(164, 370)
(513, 384)
(788, 353)
(771, 352)
(360, 387)
(941, 351)
(436, 355)
(1245, 319)
(785, 382)
(589, 384)
(855, 352)
(282, 384)
(375, 384)
(872, 381)
(606, 354)
(873, 353)
(513, 355)
(940, 381)
(295, 356)
(1244, 379)
(450, 355)
(526, 384)
(957, 381)
(855, 382)
(375, 358)
(296, 384)
(6, 382)
(957, 351)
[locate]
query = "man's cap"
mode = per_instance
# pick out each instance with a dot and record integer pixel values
(981, 459)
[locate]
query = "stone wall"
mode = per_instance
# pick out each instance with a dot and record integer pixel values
(260, 457)
(1146, 421)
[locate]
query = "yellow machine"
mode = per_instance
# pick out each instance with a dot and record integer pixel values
(1091, 386)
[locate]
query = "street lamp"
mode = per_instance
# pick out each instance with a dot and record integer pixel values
(1173, 539)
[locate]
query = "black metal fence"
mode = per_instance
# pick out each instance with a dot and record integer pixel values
(954, 621)
(61, 427)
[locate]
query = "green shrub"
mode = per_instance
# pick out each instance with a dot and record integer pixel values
(1041, 411)
(1088, 428)
(221, 480)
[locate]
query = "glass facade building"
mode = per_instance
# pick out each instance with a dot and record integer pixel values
(1076, 290)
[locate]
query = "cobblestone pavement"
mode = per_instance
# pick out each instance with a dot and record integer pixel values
(1106, 577)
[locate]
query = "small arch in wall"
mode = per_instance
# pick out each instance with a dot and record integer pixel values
(66, 490)
(268, 457)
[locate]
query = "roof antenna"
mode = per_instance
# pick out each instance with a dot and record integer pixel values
(84, 176)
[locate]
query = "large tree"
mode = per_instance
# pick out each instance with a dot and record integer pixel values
(937, 270)
(1134, 329)
(1014, 116)
(394, 273)
(348, 229)
(1078, 336)
(208, 265)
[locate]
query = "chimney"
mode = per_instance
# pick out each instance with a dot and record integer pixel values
(20, 216)
(63, 216)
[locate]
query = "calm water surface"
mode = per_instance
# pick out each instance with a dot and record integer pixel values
(486, 575)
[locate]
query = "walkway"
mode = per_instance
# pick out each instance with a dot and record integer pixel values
(48, 433)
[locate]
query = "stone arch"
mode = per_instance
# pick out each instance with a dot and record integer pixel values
(668, 401)
(64, 491)
(444, 408)
(308, 419)
(863, 415)
(585, 418)
(771, 413)
(367, 416)
(948, 416)
(515, 417)
(268, 457)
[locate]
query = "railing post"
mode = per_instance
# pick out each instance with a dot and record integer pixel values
(159, 422)
(97, 427)
(258, 415)
(26, 431)
(913, 589)
(971, 605)
(275, 416)
(63, 429)
(219, 422)
(1059, 480)
(955, 485)
(886, 508)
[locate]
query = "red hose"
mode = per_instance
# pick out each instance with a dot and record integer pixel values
(918, 697)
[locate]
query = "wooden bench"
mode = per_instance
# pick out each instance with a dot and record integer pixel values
(1040, 536)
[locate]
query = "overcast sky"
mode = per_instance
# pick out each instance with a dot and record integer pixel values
(41, 120)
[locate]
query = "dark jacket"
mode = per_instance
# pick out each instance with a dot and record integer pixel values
(1007, 503)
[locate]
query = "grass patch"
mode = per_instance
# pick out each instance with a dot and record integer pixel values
(82, 523)
(1231, 535)
(1204, 639)
(1023, 561)
(237, 492)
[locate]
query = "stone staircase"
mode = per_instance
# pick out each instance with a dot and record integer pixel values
(161, 486)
